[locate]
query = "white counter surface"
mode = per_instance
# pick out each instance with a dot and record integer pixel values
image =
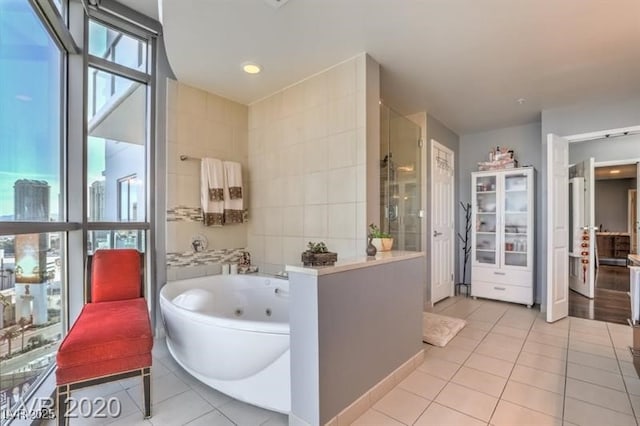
(635, 259)
(355, 263)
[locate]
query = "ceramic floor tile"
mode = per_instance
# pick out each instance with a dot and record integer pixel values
(102, 390)
(449, 354)
(541, 362)
(422, 384)
(632, 385)
(244, 414)
(462, 342)
(540, 379)
(510, 331)
(627, 369)
(402, 405)
(595, 376)
(545, 350)
(585, 414)
(467, 401)
(134, 419)
(624, 354)
(212, 418)
(509, 414)
(490, 365)
(536, 399)
(438, 414)
(505, 353)
(480, 381)
(180, 409)
(472, 333)
(590, 338)
(594, 361)
(598, 395)
(439, 367)
(277, 419)
(161, 388)
(479, 325)
(504, 340)
(548, 339)
(550, 329)
(606, 351)
(372, 417)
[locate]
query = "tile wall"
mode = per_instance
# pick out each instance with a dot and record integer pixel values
(307, 156)
(200, 124)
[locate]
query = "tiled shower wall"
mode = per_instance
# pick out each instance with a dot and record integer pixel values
(308, 159)
(200, 124)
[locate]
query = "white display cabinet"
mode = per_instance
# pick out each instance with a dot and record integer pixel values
(502, 238)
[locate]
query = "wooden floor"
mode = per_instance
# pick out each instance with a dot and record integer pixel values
(611, 302)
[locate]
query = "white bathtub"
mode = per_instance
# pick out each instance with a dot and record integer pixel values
(232, 333)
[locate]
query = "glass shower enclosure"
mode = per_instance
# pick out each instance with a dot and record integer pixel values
(400, 180)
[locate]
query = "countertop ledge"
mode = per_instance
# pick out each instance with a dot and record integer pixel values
(356, 263)
(634, 259)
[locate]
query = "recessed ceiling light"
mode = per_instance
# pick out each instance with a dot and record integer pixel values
(521, 100)
(614, 172)
(251, 68)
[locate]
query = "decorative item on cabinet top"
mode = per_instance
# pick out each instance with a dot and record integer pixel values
(382, 241)
(500, 158)
(317, 254)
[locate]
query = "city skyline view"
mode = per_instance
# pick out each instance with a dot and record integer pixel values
(31, 148)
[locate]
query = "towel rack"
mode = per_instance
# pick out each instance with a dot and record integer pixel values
(186, 157)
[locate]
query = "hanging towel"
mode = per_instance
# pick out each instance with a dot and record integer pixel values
(233, 206)
(212, 191)
(233, 173)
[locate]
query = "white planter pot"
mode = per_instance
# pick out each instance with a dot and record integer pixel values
(382, 244)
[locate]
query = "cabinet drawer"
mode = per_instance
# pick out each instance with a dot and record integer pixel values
(502, 276)
(508, 293)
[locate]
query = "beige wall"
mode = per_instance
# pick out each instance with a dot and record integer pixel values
(200, 124)
(307, 162)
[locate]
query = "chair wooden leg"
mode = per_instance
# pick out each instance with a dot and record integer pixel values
(146, 379)
(62, 392)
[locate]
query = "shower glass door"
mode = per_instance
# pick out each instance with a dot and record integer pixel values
(400, 180)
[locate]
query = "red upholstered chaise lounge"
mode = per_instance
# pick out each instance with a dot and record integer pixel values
(111, 339)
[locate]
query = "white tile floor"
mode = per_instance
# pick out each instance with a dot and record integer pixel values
(506, 367)
(509, 367)
(176, 399)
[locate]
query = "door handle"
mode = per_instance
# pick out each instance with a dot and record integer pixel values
(436, 233)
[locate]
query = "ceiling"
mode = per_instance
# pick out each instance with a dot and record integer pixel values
(466, 62)
(626, 171)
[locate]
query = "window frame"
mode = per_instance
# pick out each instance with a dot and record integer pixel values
(68, 28)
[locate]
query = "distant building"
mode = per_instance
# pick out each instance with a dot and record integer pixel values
(96, 201)
(31, 200)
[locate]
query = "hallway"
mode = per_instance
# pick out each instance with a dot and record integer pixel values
(611, 302)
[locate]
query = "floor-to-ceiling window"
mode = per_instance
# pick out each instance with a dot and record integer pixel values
(47, 228)
(118, 78)
(32, 199)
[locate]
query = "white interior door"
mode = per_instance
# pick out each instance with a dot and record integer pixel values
(442, 221)
(557, 227)
(637, 208)
(582, 250)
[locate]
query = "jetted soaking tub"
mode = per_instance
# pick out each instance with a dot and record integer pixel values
(231, 332)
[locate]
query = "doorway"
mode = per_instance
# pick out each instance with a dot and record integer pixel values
(611, 145)
(442, 221)
(614, 186)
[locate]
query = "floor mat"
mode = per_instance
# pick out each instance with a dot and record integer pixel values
(438, 330)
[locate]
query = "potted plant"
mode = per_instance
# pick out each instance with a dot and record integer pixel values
(317, 254)
(382, 241)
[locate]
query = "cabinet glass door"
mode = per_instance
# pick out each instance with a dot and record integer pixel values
(516, 212)
(486, 220)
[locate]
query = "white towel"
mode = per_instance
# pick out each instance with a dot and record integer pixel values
(233, 205)
(212, 191)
